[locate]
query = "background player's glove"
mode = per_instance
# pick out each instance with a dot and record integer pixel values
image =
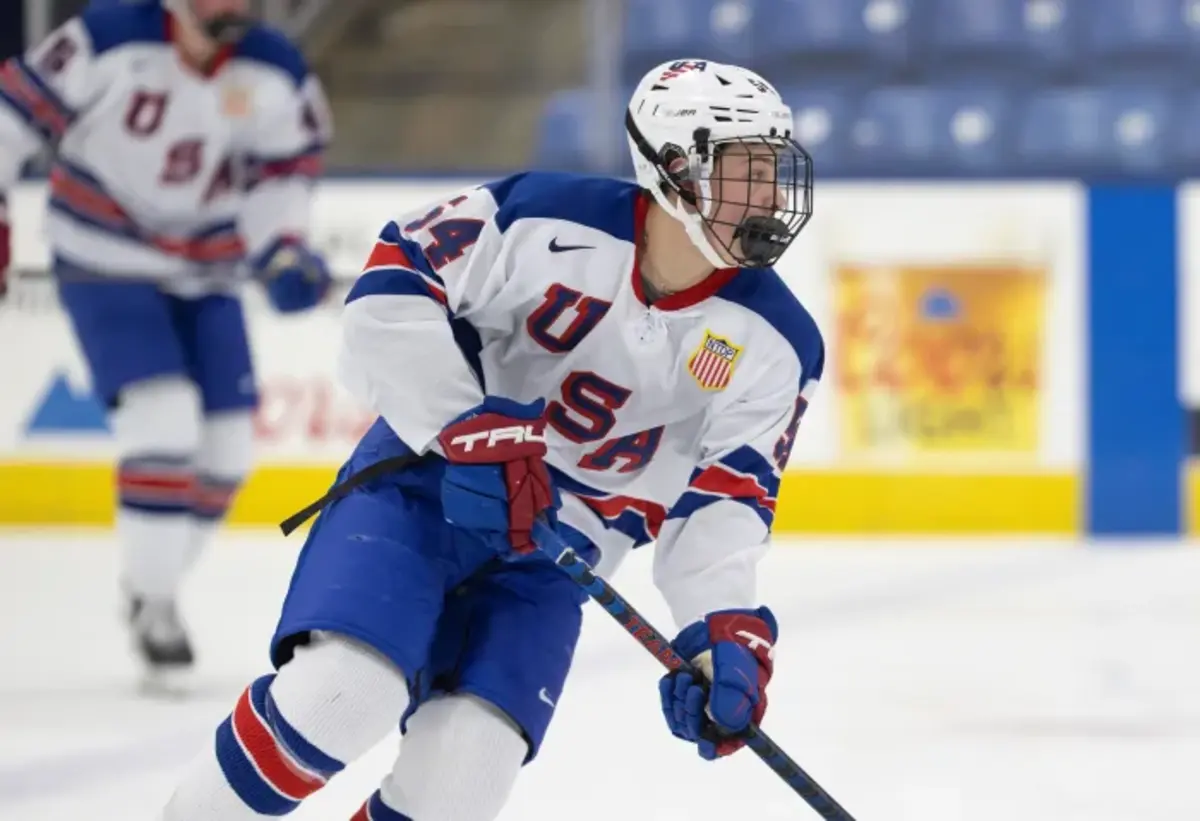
(295, 278)
(5, 246)
(735, 649)
(496, 484)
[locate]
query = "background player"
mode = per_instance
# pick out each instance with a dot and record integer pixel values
(186, 137)
(617, 357)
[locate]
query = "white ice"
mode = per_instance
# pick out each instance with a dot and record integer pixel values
(1002, 680)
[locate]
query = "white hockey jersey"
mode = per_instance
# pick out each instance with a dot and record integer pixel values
(161, 172)
(669, 422)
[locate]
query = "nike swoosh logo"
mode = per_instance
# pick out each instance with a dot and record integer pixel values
(544, 696)
(555, 248)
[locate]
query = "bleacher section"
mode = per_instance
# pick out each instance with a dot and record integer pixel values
(1089, 88)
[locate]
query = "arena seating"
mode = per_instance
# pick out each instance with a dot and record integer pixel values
(1011, 88)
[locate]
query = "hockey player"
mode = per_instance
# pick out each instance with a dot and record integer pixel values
(618, 358)
(185, 137)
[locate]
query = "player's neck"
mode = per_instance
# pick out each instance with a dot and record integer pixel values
(670, 261)
(196, 49)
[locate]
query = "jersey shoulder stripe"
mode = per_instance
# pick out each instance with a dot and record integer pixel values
(272, 48)
(115, 26)
(763, 292)
(603, 203)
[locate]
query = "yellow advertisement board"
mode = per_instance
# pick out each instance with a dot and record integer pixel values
(939, 363)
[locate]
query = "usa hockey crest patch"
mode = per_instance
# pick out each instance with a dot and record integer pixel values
(711, 364)
(235, 102)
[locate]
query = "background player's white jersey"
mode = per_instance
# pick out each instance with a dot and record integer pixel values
(162, 171)
(670, 422)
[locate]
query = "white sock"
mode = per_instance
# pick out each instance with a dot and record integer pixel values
(289, 733)
(223, 460)
(157, 428)
(459, 761)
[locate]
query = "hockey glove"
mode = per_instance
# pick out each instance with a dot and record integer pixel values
(496, 484)
(734, 649)
(295, 278)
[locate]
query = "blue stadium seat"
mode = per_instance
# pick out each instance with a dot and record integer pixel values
(1003, 37)
(833, 37)
(1123, 37)
(1185, 139)
(563, 142)
(659, 30)
(918, 129)
(1096, 131)
(823, 118)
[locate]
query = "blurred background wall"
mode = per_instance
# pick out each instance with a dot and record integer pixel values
(881, 87)
(1001, 258)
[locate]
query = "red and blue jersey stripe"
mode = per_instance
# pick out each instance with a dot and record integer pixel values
(744, 476)
(77, 194)
(398, 267)
(34, 101)
(639, 519)
(307, 164)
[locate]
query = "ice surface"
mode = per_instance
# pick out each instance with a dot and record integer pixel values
(997, 680)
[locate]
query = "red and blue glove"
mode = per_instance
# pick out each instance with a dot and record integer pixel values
(294, 277)
(735, 650)
(496, 484)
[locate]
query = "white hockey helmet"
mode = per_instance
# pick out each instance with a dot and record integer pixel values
(221, 26)
(682, 115)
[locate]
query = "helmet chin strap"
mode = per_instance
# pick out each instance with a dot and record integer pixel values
(693, 223)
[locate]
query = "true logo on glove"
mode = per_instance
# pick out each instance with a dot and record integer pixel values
(516, 434)
(754, 642)
(496, 483)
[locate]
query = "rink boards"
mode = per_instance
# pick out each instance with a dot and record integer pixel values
(964, 391)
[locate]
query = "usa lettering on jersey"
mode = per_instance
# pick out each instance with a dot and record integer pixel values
(677, 436)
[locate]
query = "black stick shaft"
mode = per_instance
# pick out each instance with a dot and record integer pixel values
(660, 647)
(634, 623)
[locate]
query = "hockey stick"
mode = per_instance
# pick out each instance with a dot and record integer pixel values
(634, 623)
(660, 647)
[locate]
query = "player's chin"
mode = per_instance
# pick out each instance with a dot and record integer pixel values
(733, 253)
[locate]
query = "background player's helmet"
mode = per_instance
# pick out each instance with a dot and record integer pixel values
(224, 27)
(682, 115)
